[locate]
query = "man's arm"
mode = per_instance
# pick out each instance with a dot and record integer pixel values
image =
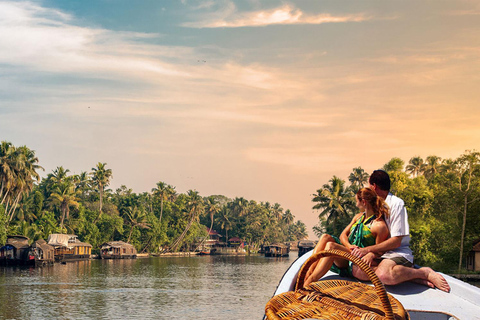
(380, 248)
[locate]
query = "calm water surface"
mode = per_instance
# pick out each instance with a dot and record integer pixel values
(207, 287)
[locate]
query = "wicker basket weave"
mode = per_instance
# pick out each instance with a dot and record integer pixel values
(336, 299)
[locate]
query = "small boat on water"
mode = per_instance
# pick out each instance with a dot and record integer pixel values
(304, 246)
(421, 302)
(277, 250)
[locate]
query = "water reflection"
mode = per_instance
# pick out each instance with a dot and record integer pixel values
(208, 287)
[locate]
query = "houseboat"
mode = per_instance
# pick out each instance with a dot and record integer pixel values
(277, 250)
(117, 250)
(304, 246)
(16, 252)
(43, 253)
(68, 247)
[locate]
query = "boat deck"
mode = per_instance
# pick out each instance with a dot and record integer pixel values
(463, 301)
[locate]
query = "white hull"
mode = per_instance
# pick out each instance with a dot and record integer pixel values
(463, 301)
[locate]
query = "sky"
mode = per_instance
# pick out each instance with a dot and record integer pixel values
(265, 100)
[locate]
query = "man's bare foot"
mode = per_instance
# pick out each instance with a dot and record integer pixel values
(424, 282)
(437, 280)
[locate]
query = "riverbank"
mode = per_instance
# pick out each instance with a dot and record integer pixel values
(466, 277)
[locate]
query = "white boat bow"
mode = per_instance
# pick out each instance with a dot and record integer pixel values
(421, 302)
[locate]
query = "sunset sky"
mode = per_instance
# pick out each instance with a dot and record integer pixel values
(265, 100)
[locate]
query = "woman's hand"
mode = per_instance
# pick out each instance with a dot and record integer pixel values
(352, 247)
(307, 281)
(369, 258)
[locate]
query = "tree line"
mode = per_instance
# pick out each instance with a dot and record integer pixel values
(160, 220)
(442, 197)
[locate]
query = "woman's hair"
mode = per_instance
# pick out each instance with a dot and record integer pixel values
(377, 203)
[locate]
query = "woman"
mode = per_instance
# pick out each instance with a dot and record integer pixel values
(366, 228)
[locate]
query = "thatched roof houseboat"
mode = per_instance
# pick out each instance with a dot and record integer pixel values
(43, 252)
(15, 251)
(304, 246)
(277, 250)
(117, 250)
(68, 247)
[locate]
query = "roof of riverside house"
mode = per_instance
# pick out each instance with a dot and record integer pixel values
(476, 245)
(65, 240)
(115, 244)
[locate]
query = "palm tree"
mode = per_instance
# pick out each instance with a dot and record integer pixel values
(7, 169)
(300, 230)
(165, 192)
(288, 217)
(64, 196)
(212, 207)
(101, 179)
(395, 165)
(195, 207)
(415, 166)
(432, 166)
(17, 174)
(358, 178)
(136, 218)
(335, 202)
(224, 220)
(447, 166)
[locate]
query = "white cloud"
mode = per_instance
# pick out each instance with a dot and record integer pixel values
(283, 15)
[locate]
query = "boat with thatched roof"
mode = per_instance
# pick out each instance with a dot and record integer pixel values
(117, 250)
(15, 251)
(43, 253)
(69, 247)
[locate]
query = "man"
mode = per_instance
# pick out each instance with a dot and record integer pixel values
(396, 256)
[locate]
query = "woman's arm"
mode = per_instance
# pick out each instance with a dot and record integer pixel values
(346, 233)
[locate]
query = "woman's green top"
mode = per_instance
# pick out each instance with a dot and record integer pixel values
(361, 236)
(360, 233)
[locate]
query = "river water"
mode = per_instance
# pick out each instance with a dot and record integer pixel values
(199, 287)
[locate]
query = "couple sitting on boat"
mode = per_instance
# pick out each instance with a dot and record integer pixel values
(380, 236)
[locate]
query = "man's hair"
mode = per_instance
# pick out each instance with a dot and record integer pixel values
(381, 179)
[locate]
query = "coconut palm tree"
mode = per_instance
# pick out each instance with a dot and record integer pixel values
(64, 196)
(432, 166)
(335, 202)
(195, 207)
(415, 166)
(101, 179)
(358, 178)
(212, 207)
(288, 217)
(17, 175)
(395, 165)
(136, 218)
(164, 192)
(224, 220)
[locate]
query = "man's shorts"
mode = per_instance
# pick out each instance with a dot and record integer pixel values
(401, 261)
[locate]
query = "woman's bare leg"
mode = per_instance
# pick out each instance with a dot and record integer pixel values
(324, 264)
(322, 242)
